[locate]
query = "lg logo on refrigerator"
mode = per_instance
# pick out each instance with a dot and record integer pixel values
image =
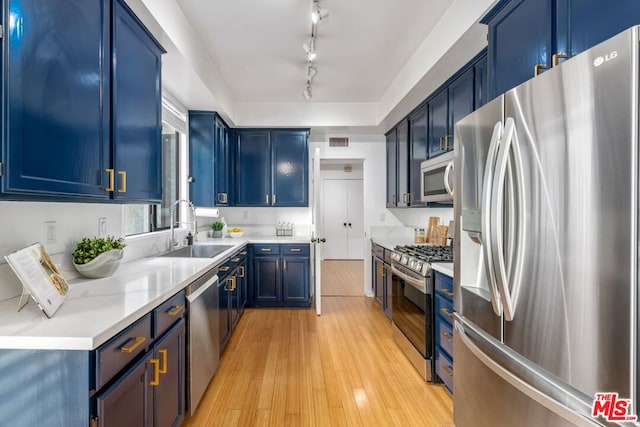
(602, 59)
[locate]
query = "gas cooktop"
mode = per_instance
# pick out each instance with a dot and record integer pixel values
(418, 257)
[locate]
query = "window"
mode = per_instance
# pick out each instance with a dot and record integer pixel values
(145, 218)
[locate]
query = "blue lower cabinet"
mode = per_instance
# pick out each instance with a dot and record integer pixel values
(280, 276)
(224, 302)
(444, 369)
(444, 328)
(169, 393)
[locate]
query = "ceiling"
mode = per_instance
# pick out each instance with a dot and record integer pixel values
(257, 45)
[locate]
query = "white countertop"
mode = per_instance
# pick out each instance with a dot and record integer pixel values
(443, 267)
(96, 310)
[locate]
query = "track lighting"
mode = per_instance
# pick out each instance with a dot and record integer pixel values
(318, 13)
(306, 93)
(310, 49)
(311, 72)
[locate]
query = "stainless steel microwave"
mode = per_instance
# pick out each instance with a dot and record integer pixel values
(436, 183)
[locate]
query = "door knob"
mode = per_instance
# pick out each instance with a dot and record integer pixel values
(322, 240)
(344, 224)
(349, 224)
(314, 240)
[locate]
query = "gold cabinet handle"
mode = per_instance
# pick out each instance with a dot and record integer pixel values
(277, 264)
(222, 197)
(295, 249)
(233, 283)
(224, 268)
(447, 336)
(447, 292)
(175, 310)
(441, 139)
(235, 259)
(243, 253)
(266, 199)
(111, 180)
(448, 370)
(123, 186)
(156, 372)
(163, 353)
(555, 58)
(395, 199)
(266, 249)
(241, 272)
(446, 142)
(137, 342)
(537, 68)
(285, 264)
(274, 199)
(446, 313)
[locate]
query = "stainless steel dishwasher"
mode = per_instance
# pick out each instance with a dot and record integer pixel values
(203, 335)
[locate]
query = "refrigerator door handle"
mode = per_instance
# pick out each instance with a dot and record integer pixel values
(513, 273)
(489, 171)
(579, 412)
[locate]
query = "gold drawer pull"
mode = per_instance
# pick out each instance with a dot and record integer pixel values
(243, 253)
(235, 259)
(447, 336)
(555, 58)
(266, 249)
(446, 313)
(537, 68)
(448, 370)
(156, 372)
(447, 292)
(111, 180)
(175, 310)
(295, 249)
(137, 343)
(163, 352)
(225, 268)
(241, 272)
(123, 187)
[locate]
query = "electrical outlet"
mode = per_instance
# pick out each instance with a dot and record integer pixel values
(102, 227)
(50, 234)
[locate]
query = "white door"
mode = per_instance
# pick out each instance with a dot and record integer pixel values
(334, 207)
(316, 233)
(355, 219)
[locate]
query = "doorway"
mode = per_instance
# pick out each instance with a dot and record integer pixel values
(342, 201)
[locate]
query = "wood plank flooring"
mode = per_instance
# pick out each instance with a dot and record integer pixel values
(342, 277)
(289, 367)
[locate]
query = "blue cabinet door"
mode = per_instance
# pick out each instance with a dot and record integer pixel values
(295, 281)
(201, 158)
(403, 162)
(438, 123)
(392, 169)
(418, 133)
(56, 97)
(460, 104)
(290, 164)
(520, 37)
(136, 106)
(585, 23)
(223, 164)
(168, 395)
(266, 281)
(480, 82)
(128, 402)
(253, 168)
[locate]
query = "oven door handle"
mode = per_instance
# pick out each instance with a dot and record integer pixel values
(416, 283)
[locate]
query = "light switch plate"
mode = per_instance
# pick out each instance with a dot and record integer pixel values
(102, 227)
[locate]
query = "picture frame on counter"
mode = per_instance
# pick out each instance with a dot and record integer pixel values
(40, 277)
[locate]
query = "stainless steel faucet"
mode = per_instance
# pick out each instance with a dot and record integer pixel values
(174, 241)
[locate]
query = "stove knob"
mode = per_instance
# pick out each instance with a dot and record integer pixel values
(418, 266)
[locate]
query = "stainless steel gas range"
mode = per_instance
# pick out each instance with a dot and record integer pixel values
(412, 302)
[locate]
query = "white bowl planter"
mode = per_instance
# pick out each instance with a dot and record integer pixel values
(104, 265)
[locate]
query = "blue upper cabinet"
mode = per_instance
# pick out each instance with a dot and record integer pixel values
(210, 164)
(290, 168)
(438, 118)
(56, 69)
(272, 167)
(392, 169)
(403, 161)
(202, 134)
(418, 147)
(520, 43)
(136, 105)
(461, 103)
(480, 82)
(253, 168)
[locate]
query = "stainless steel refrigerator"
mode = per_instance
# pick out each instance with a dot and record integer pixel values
(546, 245)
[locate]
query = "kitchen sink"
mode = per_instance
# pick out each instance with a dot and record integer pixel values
(197, 251)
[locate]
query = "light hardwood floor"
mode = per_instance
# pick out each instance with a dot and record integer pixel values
(342, 277)
(289, 367)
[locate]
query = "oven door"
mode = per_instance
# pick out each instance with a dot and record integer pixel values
(436, 183)
(411, 310)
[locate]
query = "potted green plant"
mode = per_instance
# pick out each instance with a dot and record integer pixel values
(217, 228)
(98, 257)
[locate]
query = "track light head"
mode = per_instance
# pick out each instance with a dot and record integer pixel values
(318, 13)
(311, 72)
(306, 93)
(310, 49)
